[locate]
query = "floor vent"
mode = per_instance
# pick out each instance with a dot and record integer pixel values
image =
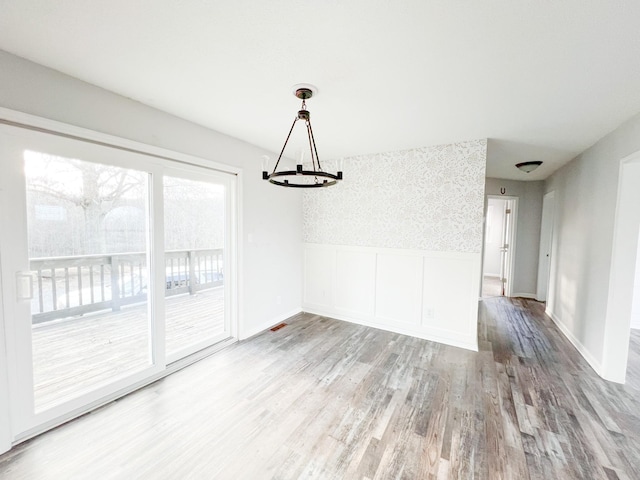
(278, 327)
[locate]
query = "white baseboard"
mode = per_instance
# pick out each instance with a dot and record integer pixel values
(532, 296)
(268, 324)
(467, 344)
(586, 354)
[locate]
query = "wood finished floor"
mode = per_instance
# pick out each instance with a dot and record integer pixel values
(325, 399)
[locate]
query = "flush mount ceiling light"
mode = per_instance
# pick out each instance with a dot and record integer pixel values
(314, 176)
(528, 167)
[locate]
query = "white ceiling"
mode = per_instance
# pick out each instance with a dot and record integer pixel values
(543, 80)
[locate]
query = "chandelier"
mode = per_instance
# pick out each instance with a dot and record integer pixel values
(313, 176)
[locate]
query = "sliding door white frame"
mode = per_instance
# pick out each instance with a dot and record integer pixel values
(154, 158)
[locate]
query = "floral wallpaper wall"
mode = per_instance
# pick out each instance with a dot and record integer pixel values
(429, 198)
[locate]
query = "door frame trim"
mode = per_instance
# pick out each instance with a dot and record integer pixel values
(44, 125)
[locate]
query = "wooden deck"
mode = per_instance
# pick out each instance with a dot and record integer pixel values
(75, 354)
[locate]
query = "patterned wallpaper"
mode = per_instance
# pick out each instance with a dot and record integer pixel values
(427, 198)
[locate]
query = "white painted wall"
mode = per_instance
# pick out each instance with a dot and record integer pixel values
(525, 270)
(581, 284)
(397, 244)
(271, 224)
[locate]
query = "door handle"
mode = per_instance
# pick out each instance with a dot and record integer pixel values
(24, 286)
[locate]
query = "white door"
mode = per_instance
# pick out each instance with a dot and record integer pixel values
(93, 302)
(546, 236)
(498, 246)
(506, 247)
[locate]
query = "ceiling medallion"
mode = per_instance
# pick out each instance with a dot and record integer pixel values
(312, 177)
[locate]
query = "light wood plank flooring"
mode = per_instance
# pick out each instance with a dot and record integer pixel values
(326, 399)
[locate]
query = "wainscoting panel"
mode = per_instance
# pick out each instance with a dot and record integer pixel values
(319, 266)
(355, 282)
(399, 289)
(448, 286)
(431, 295)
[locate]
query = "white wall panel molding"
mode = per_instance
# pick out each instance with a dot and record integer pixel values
(398, 294)
(430, 295)
(355, 281)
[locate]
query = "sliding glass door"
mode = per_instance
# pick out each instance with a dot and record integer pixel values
(115, 265)
(194, 240)
(87, 243)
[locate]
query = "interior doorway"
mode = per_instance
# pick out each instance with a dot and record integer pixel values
(499, 242)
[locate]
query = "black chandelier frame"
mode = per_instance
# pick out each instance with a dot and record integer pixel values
(322, 178)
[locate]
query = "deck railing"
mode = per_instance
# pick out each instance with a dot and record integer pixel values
(69, 286)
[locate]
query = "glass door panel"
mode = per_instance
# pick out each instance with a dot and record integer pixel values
(194, 237)
(87, 230)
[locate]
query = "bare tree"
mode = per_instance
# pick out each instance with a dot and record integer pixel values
(94, 188)
(102, 209)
